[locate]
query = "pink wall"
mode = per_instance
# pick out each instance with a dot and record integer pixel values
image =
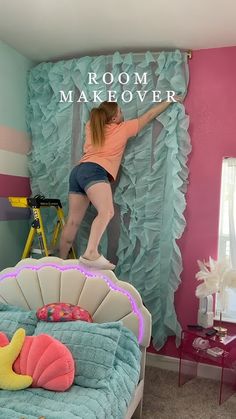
(211, 105)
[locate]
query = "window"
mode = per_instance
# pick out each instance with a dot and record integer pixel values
(227, 229)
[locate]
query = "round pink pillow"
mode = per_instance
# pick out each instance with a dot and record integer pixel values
(63, 312)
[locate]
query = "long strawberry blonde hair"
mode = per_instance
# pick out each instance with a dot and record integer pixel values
(99, 117)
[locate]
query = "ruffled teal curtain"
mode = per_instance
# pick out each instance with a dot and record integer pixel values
(150, 191)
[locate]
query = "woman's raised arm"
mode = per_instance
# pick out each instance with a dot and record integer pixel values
(155, 111)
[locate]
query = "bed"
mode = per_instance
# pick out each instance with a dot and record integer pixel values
(33, 283)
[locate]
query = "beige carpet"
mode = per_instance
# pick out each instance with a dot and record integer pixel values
(197, 399)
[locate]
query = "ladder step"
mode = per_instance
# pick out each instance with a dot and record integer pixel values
(36, 251)
(39, 251)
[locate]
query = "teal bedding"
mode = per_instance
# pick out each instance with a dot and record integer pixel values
(95, 348)
(107, 397)
(76, 403)
(11, 318)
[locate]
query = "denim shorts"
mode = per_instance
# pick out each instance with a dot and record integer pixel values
(85, 175)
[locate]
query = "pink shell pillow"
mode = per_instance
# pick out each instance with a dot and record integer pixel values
(63, 312)
(47, 360)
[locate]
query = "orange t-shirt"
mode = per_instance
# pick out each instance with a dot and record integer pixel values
(110, 154)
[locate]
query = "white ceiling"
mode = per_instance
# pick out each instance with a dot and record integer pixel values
(54, 29)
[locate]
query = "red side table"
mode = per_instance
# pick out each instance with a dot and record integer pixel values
(190, 356)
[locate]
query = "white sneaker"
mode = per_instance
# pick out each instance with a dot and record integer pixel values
(99, 263)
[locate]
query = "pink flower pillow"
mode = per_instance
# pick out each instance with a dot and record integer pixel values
(63, 312)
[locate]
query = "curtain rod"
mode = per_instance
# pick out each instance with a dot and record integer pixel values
(189, 53)
(109, 54)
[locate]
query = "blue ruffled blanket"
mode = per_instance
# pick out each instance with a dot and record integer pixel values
(111, 348)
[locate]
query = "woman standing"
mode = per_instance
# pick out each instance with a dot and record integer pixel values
(106, 137)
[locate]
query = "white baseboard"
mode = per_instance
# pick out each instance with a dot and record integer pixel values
(172, 364)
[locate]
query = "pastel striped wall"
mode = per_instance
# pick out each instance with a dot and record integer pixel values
(14, 146)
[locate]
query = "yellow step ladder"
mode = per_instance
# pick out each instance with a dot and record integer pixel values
(36, 204)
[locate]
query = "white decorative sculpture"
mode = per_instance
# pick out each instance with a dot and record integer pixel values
(217, 276)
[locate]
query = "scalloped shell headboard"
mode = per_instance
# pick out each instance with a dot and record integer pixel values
(33, 283)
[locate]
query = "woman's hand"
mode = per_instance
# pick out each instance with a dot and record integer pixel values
(178, 98)
(157, 110)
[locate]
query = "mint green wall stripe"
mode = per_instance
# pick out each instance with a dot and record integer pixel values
(13, 73)
(13, 236)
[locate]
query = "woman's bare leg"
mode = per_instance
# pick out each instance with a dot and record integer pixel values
(100, 195)
(78, 205)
